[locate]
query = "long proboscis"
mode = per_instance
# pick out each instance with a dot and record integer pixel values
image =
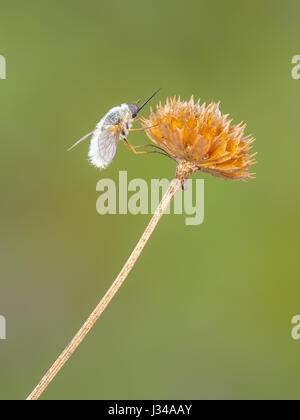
(80, 140)
(142, 106)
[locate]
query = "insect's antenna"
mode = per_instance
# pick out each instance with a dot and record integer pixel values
(80, 140)
(142, 106)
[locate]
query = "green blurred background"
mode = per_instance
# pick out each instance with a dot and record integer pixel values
(206, 312)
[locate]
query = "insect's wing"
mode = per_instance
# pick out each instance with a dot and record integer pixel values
(104, 145)
(108, 143)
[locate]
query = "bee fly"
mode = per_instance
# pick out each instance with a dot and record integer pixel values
(114, 126)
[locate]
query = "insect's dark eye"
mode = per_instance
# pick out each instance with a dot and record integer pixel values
(133, 110)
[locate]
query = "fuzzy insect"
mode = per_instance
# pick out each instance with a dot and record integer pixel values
(114, 126)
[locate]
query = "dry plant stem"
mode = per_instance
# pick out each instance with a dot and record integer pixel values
(79, 337)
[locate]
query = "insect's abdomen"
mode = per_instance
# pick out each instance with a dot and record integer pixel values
(95, 156)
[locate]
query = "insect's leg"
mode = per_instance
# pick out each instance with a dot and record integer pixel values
(132, 148)
(156, 147)
(142, 129)
(148, 145)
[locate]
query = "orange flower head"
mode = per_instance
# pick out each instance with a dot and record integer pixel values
(200, 138)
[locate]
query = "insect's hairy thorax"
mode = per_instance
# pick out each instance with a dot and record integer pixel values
(119, 115)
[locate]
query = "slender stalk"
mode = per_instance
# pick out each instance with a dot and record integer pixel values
(82, 333)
